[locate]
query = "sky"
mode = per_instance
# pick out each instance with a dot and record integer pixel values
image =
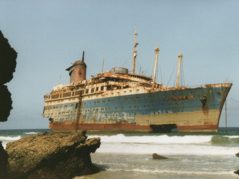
(50, 35)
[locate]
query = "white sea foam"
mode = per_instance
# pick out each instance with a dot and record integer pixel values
(160, 139)
(31, 133)
(163, 144)
(168, 149)
(232, 137)
(6, 139)
(9, 138)
(4, 144)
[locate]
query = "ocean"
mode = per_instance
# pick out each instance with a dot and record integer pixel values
(127, 156)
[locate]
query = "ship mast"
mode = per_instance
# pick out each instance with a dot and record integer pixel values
(134, 52)
(180, 60)
(155, 69)
(83, 56)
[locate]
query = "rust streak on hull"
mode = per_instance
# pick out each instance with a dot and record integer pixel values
(199, 128)
(99, 127)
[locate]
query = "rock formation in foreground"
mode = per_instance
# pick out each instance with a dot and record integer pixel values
(7, 60)
(51, 155)
(3, 162)
(7, 67)
(5, 103)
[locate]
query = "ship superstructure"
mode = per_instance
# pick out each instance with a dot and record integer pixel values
(119, 100)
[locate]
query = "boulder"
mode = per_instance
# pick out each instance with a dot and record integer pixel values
(51, 155)
(158, 157)
(237, 172)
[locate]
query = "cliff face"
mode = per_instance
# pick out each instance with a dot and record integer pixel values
(7, 67)
(51, 155)
(5, 103)
(7, 60)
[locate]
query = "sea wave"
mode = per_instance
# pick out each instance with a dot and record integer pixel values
(6, 139)
(9, 138)
(157, 139)
(166, 139)
(167, 149)
(165, 145)
(30, 133)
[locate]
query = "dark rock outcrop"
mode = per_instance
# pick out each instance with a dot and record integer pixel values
(3, 162)
(7, 60)
(158, 157)
(51, 155)
(7, 67)
(5, 103)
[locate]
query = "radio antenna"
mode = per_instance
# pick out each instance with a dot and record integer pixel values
(134, 52)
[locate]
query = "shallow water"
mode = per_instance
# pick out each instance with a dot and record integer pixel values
(177, 166)
(197, 156)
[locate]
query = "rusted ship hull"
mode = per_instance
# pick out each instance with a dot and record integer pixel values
(187, 110)
(64, 126)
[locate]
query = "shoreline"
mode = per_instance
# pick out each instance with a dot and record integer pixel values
(130, 155)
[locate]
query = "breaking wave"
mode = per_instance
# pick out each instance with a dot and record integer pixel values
(9, 138)
(165, 139)
(168, 145)
(160, 139)
(6, 139)
(31, 133)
